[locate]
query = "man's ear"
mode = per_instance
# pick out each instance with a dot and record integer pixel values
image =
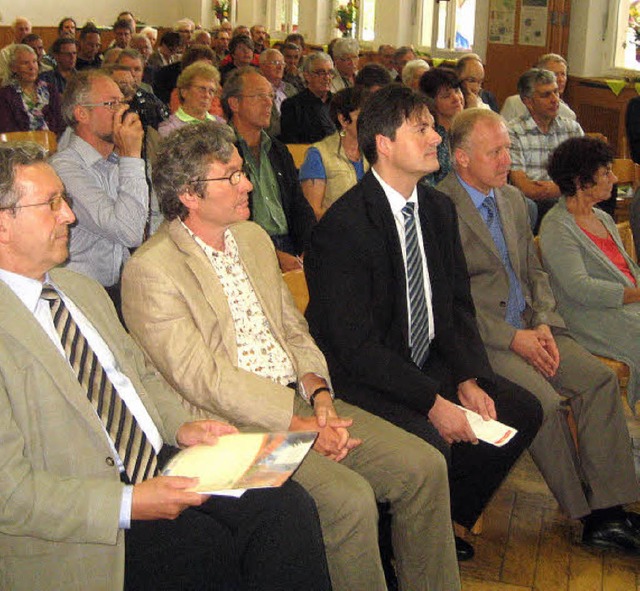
(80, 114)
(234, 104)
(383, 144)
(461, 157)
(6, 218)
(189, 198)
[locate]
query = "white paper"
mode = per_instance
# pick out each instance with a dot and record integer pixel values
(493, 432)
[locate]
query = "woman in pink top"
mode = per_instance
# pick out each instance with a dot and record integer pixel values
(593, 278)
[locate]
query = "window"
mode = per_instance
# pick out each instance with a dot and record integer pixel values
(448, 25)
(287, 15)
(626, 38)
(366, 18)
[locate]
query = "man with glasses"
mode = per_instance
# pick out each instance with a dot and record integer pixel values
(272, 68)
(305, 117)
(71, 492)
(277, 202)
(345, 54)
(535, 135)
(205, 299)
(104, 175)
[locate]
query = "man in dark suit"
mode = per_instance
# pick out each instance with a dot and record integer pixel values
(409, 350)
(527, 340)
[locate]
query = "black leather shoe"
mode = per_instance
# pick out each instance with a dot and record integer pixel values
(464, 550)
(634, 520)
(614, 534)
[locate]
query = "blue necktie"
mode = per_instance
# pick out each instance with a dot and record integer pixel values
(418, 314)
(515, 302)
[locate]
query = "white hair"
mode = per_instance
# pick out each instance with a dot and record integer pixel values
(411, 68)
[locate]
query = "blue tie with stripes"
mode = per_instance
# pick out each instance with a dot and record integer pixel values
(418, 314)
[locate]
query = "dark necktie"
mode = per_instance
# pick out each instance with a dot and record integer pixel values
(515, 302)
(135, 451)
(418, 313)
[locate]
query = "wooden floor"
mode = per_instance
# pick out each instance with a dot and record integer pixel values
(528, 544)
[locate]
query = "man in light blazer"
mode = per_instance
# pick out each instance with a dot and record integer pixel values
(68, 518)
(206, 300)
(527, 341)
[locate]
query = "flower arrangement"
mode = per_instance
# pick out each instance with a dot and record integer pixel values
(634, 21)
(346, 15)
(221, 9)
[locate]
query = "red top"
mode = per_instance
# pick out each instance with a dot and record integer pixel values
(612, 252)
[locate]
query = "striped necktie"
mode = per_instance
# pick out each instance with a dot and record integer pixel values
(418, 313)
(136, 452)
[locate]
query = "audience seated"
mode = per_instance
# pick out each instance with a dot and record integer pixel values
(345, 57)
(35, 42)
(386, 54)
(528, 343)
(594, 280)
(220, 45)
(258, 35)
(168, 49)
(305, 117)
(412, 72)
(133, 59)
(111, 56)
(442, 86)
(151, 34)
(27, 103)
(335, 164)
(83, 492)
(122, 33)
(142, 45)
(470, 72)
(373, 77)
(209, 279)
(65, 52)
(277, 203)
(197, 86)
(67, 27)
(202, 37)
(89, 46)
(632, 126)
(535, 135)
(185, 27)
(272, 68)
(401, 57)
(21, 28)
(514, 107)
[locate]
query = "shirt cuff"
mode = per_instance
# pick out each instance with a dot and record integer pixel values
(125, 507)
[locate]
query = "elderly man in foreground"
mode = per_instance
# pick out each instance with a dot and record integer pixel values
(206, 300)
(528, 343)
(86, 426)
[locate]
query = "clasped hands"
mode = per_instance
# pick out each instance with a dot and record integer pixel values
(538, 348)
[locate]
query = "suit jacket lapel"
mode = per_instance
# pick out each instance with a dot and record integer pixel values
(205, 276)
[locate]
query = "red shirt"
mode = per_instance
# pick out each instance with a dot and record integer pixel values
(612, 252)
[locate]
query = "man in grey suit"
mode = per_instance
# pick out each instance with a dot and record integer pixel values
(75, 513)
(206, 300)
(527, 342)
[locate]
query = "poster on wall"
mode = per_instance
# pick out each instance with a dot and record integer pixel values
(533, 22)
(502, 17)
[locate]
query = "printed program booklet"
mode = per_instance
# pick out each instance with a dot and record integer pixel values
(241, 461)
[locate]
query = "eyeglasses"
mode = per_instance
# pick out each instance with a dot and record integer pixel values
(260, 95)
(111, 105)
(55, 204)
(205, 89)
(323, 73)
(234, 178)
(348, 58)
(278, 64)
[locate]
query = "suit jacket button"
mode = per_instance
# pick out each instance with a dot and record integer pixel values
(503, 304)
(110, 461)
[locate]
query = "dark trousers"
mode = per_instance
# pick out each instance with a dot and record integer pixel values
(269, 539)
(475, 471)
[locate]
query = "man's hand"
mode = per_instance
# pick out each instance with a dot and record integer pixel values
(164, 497)
(451, 422)
(206, 431)
(538, 348)
(127, 134)
(476, 399)
(288, 262)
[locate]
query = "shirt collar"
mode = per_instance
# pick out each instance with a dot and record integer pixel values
(28, 290)
(186, 118)
(87, 152)
(396, 199)
(265, 141)
(477, 196)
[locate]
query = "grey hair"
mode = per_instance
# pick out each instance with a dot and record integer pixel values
(345, 46)
(550, 58)
(77, 92)
(234, 85)
(410, 69)
(15, 50)
(130, 53)
(267, 53)
(316, 56)
(531, 78)
(13, 155)
(183, 159)
(464, 124)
